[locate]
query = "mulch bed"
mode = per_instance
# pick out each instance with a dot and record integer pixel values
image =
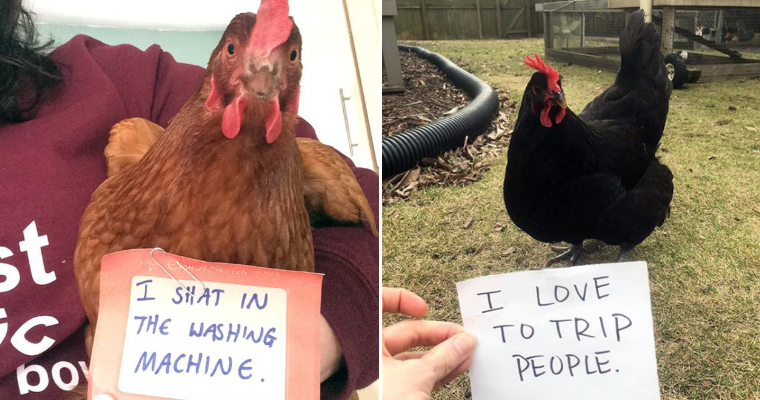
(429, 96)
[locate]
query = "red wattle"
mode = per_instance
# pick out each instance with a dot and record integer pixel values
(232, 118)
(545, 120)
(560, 115)
(274, 121)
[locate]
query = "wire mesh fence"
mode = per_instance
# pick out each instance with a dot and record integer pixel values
(711, 42)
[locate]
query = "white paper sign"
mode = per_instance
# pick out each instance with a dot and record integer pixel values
(226, 339)
(572, 333)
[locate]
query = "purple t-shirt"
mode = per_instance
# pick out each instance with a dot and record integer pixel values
(50, 166)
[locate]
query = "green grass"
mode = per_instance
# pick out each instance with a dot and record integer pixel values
(704, 263)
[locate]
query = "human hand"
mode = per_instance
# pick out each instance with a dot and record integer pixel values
(414, 375)
(332, 355)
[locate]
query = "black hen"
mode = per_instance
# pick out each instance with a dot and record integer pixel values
(594, 175)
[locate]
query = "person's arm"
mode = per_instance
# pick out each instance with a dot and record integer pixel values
(349, 258)
(332, 354)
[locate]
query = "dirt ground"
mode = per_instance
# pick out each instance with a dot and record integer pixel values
(429, 96)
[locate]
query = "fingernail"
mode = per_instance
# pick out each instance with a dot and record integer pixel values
(464, 343)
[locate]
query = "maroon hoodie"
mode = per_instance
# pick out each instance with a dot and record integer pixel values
(50, 166)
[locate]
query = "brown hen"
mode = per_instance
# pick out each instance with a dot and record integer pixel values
(224, 183)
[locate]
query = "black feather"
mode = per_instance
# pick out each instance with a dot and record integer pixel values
(640, 56)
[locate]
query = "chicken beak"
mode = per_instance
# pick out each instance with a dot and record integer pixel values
(559, 99)
(262, 83)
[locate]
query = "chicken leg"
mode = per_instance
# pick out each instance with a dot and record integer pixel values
(625, 250)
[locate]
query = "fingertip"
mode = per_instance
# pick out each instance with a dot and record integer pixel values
(465, 343)
(414, 303)
(451, 354)
(403, 301)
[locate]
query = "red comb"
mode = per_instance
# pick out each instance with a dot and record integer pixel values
(552, 76)
(272, 26)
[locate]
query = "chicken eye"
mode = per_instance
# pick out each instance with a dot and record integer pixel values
(231, 48)
(293, 55)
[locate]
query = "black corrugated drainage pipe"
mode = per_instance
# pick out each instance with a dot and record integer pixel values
(402, 151)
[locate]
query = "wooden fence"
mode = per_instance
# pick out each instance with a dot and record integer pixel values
(467, 19)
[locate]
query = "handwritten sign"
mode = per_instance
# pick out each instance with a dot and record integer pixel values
(179, 345)
(240, 333)
(574, 333)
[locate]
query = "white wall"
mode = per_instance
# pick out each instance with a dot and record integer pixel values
(150, 14)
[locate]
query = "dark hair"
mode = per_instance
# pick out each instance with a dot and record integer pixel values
(23, 64)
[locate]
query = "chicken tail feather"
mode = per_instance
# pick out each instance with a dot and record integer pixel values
(642, 70)
(640, 56)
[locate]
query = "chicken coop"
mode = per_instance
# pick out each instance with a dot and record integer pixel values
(703, 40)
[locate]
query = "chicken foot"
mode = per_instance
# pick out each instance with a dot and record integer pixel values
(573, 252)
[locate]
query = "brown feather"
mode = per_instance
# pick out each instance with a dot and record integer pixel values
(77, 393)
(330, 186)
(128, 141)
